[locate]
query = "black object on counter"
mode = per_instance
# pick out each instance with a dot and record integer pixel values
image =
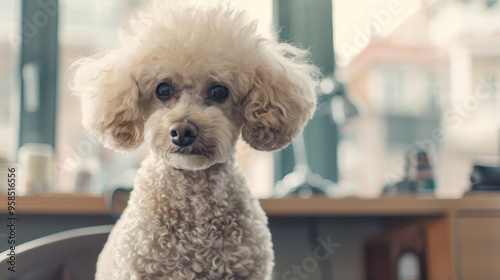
(485, 178)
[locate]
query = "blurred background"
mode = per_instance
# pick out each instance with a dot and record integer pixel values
(421, 74)
(409, 109)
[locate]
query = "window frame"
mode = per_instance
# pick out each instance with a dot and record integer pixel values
(38, 69)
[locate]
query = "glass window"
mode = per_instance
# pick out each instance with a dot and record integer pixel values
(396, 94)
(425, 73)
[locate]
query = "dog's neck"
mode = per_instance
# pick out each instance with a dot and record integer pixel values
(168, 190)
(210, 170)
(172, 181)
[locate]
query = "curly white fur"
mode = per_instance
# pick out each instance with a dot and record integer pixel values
(199, 222)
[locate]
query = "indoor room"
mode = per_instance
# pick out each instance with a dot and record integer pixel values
(257, 140)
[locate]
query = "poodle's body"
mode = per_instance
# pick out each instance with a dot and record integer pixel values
(189, 225)
(188, 80)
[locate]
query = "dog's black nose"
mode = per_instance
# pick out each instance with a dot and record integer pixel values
(183, 133)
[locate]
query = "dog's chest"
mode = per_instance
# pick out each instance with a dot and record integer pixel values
(197, 236)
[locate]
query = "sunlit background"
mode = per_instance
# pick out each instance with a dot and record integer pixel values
(423, 74)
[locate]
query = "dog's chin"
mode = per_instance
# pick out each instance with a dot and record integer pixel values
(190, 162)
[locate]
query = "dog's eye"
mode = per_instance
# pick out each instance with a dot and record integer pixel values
(163, 91)
(219, 92)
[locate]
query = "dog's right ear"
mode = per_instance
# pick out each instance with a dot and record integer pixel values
(110, 99)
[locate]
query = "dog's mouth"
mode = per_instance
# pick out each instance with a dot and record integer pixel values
(193, 151)
(192, 157)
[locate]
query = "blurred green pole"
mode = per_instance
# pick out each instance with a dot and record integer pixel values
(38, 72)
(308, 24)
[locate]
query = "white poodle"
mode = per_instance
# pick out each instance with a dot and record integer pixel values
(187, 80)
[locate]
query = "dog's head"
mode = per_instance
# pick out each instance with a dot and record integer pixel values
(188, 79)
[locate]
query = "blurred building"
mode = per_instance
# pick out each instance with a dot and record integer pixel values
(430, 84)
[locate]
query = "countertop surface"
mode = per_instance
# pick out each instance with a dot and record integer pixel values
(315, 206)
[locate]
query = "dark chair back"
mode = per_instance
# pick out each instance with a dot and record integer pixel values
(68, 255)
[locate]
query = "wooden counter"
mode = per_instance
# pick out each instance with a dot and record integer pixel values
(320, 206)
(462, 235)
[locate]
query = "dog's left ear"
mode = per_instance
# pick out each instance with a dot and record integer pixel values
(281, 100)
